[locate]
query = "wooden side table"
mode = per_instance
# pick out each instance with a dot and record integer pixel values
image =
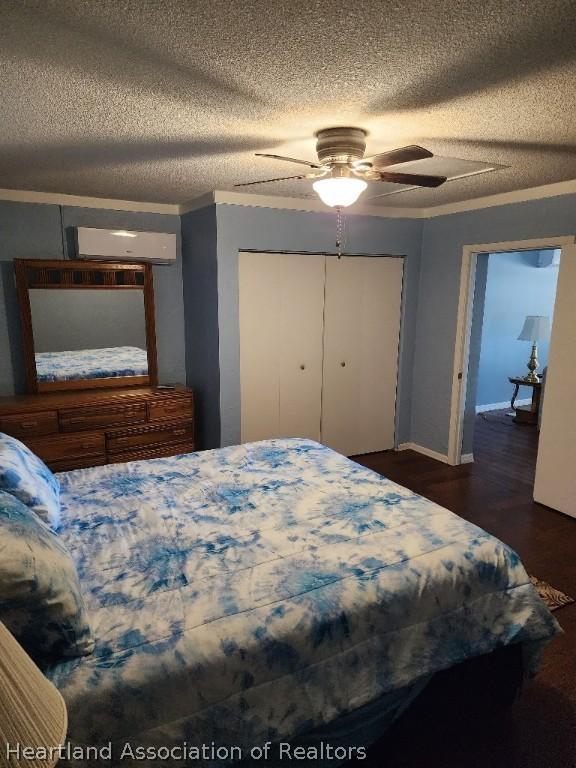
(526, 414)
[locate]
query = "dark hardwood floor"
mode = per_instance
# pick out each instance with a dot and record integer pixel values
(495, 492)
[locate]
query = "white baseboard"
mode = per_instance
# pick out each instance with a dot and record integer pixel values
(421, 449)
(466, 458)
(501, 406)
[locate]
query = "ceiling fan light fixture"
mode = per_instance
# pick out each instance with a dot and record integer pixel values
(339, 192)
(342, 170)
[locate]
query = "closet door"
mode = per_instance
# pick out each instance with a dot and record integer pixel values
(361, 336)
(281, 321)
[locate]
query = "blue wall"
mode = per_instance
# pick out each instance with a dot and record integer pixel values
(241, 227)
(38, 231)
(443, 240)
(209, 337)
(27, 231)
(201, 309)
(212, 238)
(432, 276)
(515, 287)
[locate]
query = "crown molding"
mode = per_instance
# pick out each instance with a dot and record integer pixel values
(304, 204)
(209, 198)
(309, 205)
(503, 198)
(55, 198)
(312, 205)
(316, 206)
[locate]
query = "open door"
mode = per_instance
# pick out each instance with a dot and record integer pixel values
(555, 483)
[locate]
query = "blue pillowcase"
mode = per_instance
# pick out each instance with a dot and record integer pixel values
(40, 598)
(26, 476)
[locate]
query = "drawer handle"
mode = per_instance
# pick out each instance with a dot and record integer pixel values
(178, 431)
(130, 438)
(170, 407)
(86, 446)
(76, 420)
(28, 424)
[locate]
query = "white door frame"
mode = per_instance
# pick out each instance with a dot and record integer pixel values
(464, 327)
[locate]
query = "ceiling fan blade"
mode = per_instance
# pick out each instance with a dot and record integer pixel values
(288, 159)
(267, 181)
(412, 179)
(396, 156)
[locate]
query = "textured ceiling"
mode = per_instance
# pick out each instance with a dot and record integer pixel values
(164, 101)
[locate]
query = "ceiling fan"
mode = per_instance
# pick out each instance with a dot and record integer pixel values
(342, 170)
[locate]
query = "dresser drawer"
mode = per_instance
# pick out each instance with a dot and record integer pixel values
(54, 449)
(77, 419)
(176, 432)
(154, 452)
(181, 407)
(30, 424)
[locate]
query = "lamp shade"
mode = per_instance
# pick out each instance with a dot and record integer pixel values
(535, 328)
(32, 711)
(340, 191)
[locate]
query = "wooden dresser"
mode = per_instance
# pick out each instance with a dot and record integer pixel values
(86, 428)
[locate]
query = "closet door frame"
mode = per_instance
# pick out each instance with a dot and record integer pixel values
(402, 303)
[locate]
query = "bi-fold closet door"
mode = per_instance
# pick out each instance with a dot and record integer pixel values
(319, 348)
(361, 334)
(281, 325)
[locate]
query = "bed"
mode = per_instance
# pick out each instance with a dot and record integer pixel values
(78, 364)
(269, 591)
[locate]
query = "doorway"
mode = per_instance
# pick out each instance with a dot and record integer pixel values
(512, 316)
(474, 273)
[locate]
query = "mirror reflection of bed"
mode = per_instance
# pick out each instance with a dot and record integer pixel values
(88, 334)
(86, 325)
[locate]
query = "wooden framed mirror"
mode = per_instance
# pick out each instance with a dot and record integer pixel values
(86, 324)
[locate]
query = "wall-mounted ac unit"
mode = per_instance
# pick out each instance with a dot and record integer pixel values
(125, 245)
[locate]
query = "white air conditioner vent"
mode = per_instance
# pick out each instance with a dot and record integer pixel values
(125, 245)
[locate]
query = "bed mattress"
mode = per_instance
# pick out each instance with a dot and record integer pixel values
(259, 592)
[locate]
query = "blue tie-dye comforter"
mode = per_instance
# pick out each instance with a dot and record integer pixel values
(91, 364)
(260, 591)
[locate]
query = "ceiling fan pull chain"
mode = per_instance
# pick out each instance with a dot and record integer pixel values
(339, 231)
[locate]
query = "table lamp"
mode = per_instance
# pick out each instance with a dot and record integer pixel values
(536, 328)
(32, 711)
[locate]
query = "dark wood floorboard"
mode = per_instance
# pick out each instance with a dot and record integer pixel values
(495, 492)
